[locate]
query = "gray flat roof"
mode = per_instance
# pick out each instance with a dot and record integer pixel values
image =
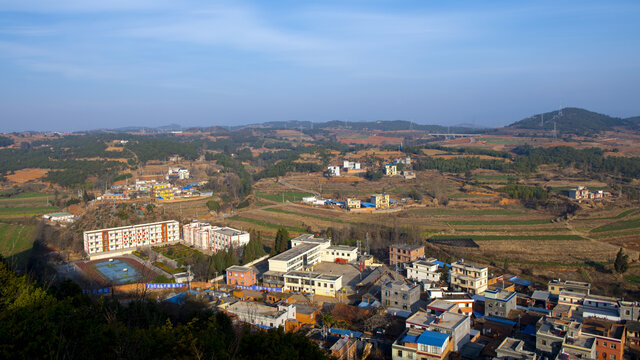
(239, 268)
(294, 252)
(407, 246)
(313, 275)
(343, 247)
(229, 231)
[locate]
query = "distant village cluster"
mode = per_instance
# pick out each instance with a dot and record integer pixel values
(175, 186)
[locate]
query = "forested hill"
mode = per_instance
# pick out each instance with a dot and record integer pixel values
(573, 120)
(382, 125)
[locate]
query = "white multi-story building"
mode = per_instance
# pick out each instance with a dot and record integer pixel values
(306, 251)
(352, 165)
(425, 271)
(264, 315)
(333, 170)
(469, 278)
(314, 283)
(340, 253)
(128, 238)
(177, 173)
(213, 238)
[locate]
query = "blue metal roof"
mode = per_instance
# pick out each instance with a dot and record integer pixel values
(529, 330)
(477, 297)
(367, 205)
(499, 320)
(522, 282)
(350, 333)
(432, 338)
(410, 339)
(441, 263)
(186, 187)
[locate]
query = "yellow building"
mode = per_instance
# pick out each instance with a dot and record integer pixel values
(390, 169)
(353, 203)
(164, 191)
(380, 200)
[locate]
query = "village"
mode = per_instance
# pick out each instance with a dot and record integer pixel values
(407, 306)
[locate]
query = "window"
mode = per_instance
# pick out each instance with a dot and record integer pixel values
(612, 356)
(400, 353)
(613, 346)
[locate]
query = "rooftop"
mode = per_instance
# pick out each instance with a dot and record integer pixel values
(400, 285)
(237, 268)
(313, 275)
(406, 246)
(585, 342)
(441, 305)
(432, 338)
(461, 263)
(445, 320)
(294, 252)
(501, 295)
(605, 328)
(229, 231)
(343, 247)
(244, 307)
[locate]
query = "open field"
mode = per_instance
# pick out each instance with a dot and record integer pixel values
(26, 175)
(513, 237)
(19, 212)
(284, 196)
(16, 240)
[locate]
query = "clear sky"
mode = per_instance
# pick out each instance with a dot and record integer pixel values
(83, 64)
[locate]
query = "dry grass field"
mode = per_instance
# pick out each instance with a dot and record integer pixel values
(26, 175)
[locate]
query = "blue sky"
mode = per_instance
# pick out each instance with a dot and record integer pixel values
(82, 64)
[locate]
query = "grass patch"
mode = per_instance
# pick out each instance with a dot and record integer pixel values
(633, 279)
(619, 216)
(465, 195)
(515, 230)
(30, 195)
(13, 212)
(499, 222)
(475, 212)
(618, 225)
(323, 218)
(267, 224)
(16, 241)
(512, 237)
(287, 196)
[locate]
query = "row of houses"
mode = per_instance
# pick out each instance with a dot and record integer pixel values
(126, 239)
(376, 201)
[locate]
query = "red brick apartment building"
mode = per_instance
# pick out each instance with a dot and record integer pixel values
(403, 253)
(610, 337)
(241, 275)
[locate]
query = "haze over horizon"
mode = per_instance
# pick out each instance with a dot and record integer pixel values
(79, 65)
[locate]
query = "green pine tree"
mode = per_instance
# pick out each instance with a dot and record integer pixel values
(621, 263)
(258, 248)
(284, 240)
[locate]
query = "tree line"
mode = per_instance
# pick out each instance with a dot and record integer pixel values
(60, 322)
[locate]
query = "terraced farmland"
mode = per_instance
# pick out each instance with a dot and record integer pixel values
(26, 205)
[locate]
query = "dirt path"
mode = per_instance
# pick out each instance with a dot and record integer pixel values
(284, 182)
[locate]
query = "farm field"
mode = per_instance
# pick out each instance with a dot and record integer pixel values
(16, 241)
(26, 205)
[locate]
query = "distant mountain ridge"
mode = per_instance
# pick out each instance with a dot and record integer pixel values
(382, 125)
(567, 120)
(575, 120)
